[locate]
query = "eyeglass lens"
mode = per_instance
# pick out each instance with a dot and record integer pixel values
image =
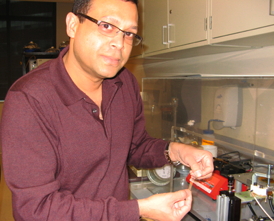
(111, 30)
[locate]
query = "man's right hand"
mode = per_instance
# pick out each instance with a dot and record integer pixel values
(171, 206)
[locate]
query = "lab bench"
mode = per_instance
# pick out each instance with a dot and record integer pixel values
(203, 208)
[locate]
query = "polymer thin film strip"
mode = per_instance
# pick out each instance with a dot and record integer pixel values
(192, 181)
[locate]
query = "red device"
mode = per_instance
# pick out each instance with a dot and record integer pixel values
(211, 186)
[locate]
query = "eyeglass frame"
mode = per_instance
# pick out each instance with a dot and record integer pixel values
(98, 22)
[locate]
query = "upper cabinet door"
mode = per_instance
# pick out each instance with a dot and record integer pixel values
(187, 21)
(155, 25)
(230, 17)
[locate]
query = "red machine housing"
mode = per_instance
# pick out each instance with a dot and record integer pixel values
(211, 186)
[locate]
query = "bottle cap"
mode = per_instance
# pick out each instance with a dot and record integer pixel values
(208, 131)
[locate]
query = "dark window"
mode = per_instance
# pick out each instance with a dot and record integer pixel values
(20, 23)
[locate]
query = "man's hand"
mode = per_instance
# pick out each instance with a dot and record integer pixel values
(200, 161)
(166, 206)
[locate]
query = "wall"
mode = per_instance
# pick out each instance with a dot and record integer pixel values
(257, 120)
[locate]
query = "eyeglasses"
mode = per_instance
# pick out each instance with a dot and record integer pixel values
(111, 30)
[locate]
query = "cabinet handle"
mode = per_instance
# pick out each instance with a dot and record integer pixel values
(170, 33)
(205, 23)
(271, 11)
(164, 42)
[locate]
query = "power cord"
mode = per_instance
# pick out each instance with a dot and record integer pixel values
(253, 195)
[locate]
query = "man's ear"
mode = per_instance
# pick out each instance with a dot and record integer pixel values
(72, 22)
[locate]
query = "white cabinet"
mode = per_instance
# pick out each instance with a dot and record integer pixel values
(174, 25)
(187, 22)
(155, 25)
(232, 19)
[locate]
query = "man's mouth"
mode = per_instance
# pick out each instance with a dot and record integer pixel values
(111, 60)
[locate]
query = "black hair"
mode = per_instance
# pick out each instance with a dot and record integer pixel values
(83, 6)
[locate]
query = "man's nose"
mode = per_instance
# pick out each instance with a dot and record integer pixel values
(118, 40)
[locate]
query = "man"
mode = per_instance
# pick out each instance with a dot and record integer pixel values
(70, 128)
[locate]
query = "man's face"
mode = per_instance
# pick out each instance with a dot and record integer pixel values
(98, 55)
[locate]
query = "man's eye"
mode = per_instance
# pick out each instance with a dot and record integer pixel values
(106, 26)
(129, 34)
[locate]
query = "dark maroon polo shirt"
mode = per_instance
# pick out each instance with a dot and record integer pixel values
(60, 160)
